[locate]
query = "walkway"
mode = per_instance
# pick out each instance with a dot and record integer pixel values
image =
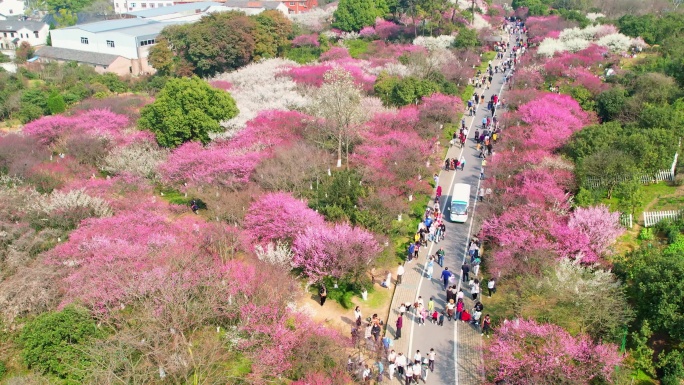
(458, 345)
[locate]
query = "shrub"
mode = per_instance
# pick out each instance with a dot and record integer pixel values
(54, 343)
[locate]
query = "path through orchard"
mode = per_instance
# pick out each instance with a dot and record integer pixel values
(459, 359)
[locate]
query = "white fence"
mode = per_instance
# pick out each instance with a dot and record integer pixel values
(662, 175)
(653, 217)
(626, 220)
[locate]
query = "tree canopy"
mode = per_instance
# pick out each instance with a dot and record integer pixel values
(187, 109)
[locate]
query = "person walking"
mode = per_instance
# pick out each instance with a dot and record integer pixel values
(401, 364)
(430, 267)
(440, 255)
(486, 325)
(409, 374)
(399, 325)
(431, 305)
(400, 273)
(381, 370)
(357, 316)
(323, 293)
(475, 289)
(386, 342)
(431, 359)
(446, 274)
(391, 358)
(465, 271)
(491, 286)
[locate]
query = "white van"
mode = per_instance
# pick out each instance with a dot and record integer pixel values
(460, 203)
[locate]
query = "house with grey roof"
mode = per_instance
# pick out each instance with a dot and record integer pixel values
(14, 32)
(128, 38)
(102, 62)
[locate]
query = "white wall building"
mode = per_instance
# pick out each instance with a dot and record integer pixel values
(127, 38)
(14, 32)
(250, 7)
(11, 8)
(125, 6)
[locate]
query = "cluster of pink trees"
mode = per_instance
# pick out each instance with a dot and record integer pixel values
(312, 75)
(231, 162)
(97, 122)
(532, 187)
(527, 353)
(393, 155)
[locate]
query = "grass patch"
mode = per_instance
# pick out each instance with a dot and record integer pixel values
(467, 94)
(378, 298)
(239, 367)
(651, 193)
(176, 197)
(668, 203)
(303, 55)
(356, 47)
(486, 57)
(34, 83)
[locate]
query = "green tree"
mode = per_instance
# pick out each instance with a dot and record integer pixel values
(671, 365)
(352, 15)
(642, 352)
(161, 56)
(56, 103)
(271, 35)
(219, 42)
(24, 52)
(466, 38)
(610, 103)
(54, 6)
(186, 110)
(657, 288)
(630, 196)
(65, 17)
(54, 343)
(610, 166)
(584, 98)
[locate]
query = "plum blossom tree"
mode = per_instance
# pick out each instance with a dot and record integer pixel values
(525, 352)
(258, 87)
(338, 101)
(601, 226)
(340, 251)
(278, 217)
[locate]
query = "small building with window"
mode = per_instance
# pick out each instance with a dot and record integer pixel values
(127, 38)
(14, 32)
(9, 8)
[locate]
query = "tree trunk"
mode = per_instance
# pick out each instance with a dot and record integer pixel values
(339, 150)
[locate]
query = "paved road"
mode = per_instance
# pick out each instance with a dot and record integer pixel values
(458, 345)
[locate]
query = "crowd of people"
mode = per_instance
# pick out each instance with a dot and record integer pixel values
(393, 364)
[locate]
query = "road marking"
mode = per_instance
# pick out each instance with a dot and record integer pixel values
(465, 252)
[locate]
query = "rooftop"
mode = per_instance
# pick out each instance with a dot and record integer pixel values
(65, 54)
(132, 27)
(252, 4)
(110, 25)
(15, 25)
(153, 12)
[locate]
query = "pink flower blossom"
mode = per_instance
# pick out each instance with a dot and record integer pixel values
(306, 41)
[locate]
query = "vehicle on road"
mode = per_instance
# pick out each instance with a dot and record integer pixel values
(460, 203)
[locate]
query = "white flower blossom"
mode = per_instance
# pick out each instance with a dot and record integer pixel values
(61, 201)
(258, 87)
(279, 254)
(433, 43)
(139, 158)
(315, 19)
(575, 45)
(344, 36)
(594, 16)
(615, 42)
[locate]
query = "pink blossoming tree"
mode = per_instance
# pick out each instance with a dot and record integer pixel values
(525, 352)
(279, 217)
(340, 251)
